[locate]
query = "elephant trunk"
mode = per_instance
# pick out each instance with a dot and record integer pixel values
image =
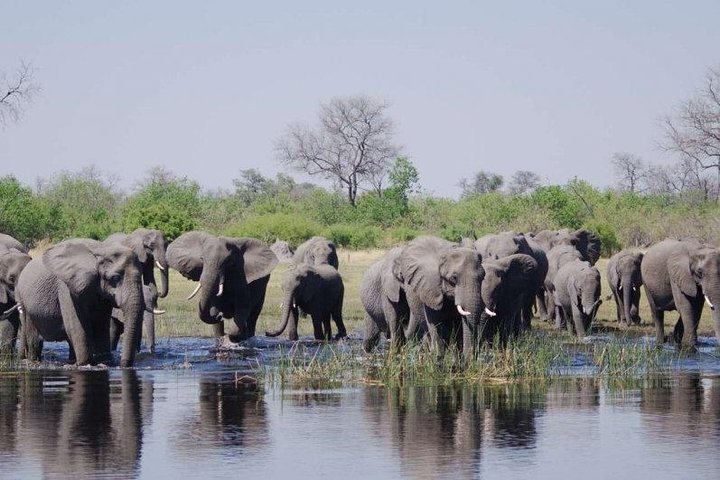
(287, 305)
(149, 323)
(161, 262)
(210, 281)
(627, 294)
(133, 308)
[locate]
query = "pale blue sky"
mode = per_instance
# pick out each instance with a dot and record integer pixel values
(206, 87)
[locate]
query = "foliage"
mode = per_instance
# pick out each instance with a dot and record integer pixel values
(354, 236)
(268, 228)
(483, 182)
(24, 215)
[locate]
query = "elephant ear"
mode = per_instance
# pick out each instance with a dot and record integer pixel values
(74, 264)
(522, 265)
(419, 268)
(4, 298)
(678, 265)
(573, 292)
(184, 254)
(391, 278)
(258, 259)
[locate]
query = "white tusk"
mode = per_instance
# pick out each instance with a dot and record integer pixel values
(712, 307)
(20, 308)
(158, 312)
(490, 312)
(634, 288)
(620, 287)
(462, 312)
(220, 290)
(197, 289)
(162, 269)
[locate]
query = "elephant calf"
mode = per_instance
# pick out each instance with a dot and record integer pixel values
(625, 279)
(577, 296)
(318, 290)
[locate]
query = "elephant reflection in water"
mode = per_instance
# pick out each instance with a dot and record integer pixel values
(574, 393)
(230, 415)
(686, 406)
(440, 431)
(82, 423)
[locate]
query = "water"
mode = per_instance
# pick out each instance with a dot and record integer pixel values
(165, 420)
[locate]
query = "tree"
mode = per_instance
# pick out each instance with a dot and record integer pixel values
(404, 177)
(352, 144)
(694, 131)
(629, 170)
(24, 215)
(482, 182)
(523, 181)
(16, 92)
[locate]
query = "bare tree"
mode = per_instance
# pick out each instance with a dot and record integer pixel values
(523, 181)
(482, 182)
(682, 177)
(694, 132)
(16, 91)
(352, 144)
(629, 170)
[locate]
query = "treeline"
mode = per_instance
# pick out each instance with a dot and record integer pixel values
(89, 204)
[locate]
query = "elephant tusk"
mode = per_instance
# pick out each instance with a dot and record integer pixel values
(462, 312)
(197, 289)
(7, 313)
(712, 307)
(490, 312)
(634, 288)
(620, 287)
(157, 311)
(220, 290)
(162, 269)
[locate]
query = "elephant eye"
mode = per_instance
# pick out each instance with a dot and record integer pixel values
(11, 278)
(452, 278)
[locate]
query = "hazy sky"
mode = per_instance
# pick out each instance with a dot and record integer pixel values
(204, 88)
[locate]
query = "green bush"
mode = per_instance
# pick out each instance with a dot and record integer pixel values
(402, 234)
(25, 216)
(278, 226)
(354, 236)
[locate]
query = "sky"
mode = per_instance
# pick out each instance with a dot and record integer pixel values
(205, 88)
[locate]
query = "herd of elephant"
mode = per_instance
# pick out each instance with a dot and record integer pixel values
(441, 293)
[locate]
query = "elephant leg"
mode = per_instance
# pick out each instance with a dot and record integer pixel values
(468, 340)
(149, 323)
(541, 306)
(550, 302)
(338, 319)
(579, 320)
(371, 335)
(658, 319)
(30, 342)
(393, 318)
(635, 307)
(436, 331)
(257, 292)
(72, 358)
(116, 329)
(526, 319)
(690, 310)
(317, 323)
(618, 307)
(560, 319)
(76, 328)
(327, 327)
(219, 329)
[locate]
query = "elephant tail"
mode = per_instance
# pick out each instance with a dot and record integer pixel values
(287, 305)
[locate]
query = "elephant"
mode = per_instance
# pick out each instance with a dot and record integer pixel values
(557, 257)
(233, 275)
(444, 280)
(386, 305)
(508, 290)
(11, 243)
(117, 326)
(68, 294)
(12, 263)
(585, 241)
(316, 251)
(577, 296)
(680, 275)
(282, 250)
(625, 280)
(318, 290)
(504, 244)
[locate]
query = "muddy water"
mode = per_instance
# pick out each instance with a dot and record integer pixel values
(171, 421)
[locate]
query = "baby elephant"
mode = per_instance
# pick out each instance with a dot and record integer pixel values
(577, 296)
(318, 290)
(625, 279)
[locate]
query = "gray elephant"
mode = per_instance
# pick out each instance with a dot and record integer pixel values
(681, 275)
(117, 325)
(444, 278)
(11, 243)
(386, 305)
(625, 280)
(233, 275)
(577, 296)
(509, 285)
(557, 257)
(316, 251)
(12, 263)
(585, 241)
(504, 244)
(68, 294)
(318, 290)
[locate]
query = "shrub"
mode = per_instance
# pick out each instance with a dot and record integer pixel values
(25, 216)
(268, 228)
(402, 234)
(354, 236)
